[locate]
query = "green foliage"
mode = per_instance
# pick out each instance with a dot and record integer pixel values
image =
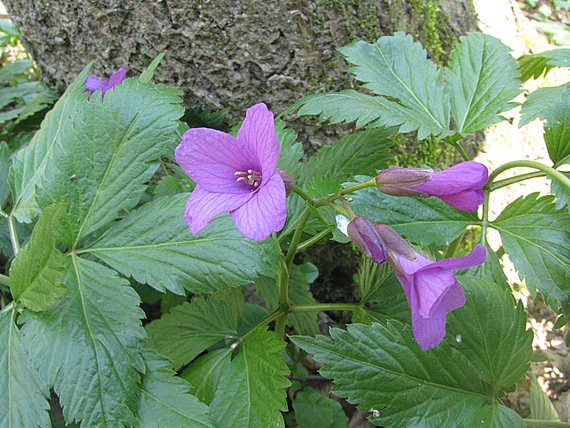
(316, 410)
(541, 63)
(557, 130)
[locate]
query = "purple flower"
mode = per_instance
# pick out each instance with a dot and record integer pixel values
(459, 186)
(235, 175)
(366, 238)
(432, 291)
(93, 83)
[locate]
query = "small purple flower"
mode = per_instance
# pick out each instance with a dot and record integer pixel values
(93, 83)
(432, 291)
(459, 186)
(235, 175)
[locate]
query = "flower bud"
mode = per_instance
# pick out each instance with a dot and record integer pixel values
(287, 180)
(401, 181)
(366, 238)
(394, 242)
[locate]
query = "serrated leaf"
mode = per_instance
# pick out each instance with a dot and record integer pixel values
(535, 65)
(537, 237)
(251, 391)
(31, 162)
(561, 192)
(189, 329)
(23, 395)
(490, 330)
(540, 405)
(36, 272)
(291, 151)
(154, 246)
(557, 130)
(109, 148)
(316, 410)
(13, 69)
(87, 346)
(491, 270)
(423, 221)
(384, 371)
(396, 67)
(539, 102)
(483, 79)
(165, 399)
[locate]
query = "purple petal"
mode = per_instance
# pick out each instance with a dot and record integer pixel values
(93, 84)
(476, 257)
(211, 158)
(258, 131)
(468, 200)
(265, 212)
(117, 77)
(431, 285)
(203, 206)
(468, 175)
(366, 238)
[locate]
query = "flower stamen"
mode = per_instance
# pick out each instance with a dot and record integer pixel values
(251, 177)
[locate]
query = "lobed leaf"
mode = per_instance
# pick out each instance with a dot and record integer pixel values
(540, 405)
(87, 346)
(561, 192)
(154, 246)
(483, 79)
(536, 64)
(539, 102)
(23, 395)
(557, 130)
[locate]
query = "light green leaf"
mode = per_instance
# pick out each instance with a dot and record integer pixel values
(383, 370)
(149, 72)
(483, 79)
(557, 130)
(539, 102)
(87, 346)
(14, 69)
(423, 221)
(537, 237)
(251, 391)
(31, 162)
(535, 65)
(540, 405)
(165, 399)
(316, 410)
(189, 329)
(561, 192)
(490, 330)
(109, 148)
(23, 395)
(4, 167)
(396, 67)
(36, 272)
(204, 374)
(291, 151)
(154, 246)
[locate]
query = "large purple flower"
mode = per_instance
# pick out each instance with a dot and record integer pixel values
(432, 291)
(235, 175)
(459, 186)
(93, 83)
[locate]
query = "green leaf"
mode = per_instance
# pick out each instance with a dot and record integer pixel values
(491, 269)
(423, 221)
(540, 405)
(154, 245)
(251, 391)
(482, 78)
(561, 192)
(14, 69)
(539, 103)
(557, 130)
(396, 67)
(316, 410)
(291, 151)
(87, 346)
(36, 272)
(165, 399)
(149, 72)
(490, 330)
(23, 395)
(496, 415)
(535, 65)
(204, 374)
(537, 237)
(31, 162)
(109, 148)
(189, 329)
(4, 167)
(384, 371)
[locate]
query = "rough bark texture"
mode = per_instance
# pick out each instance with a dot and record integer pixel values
(227, 53)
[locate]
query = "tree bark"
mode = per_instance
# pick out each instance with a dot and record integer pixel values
(227, 53)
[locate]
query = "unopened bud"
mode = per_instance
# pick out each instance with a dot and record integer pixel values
(366, 238)
(401, 181)
(394, 242)
(288, 181)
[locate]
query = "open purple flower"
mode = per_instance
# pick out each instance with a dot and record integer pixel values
(432, 291)
(235, 175)
(93, 83)
(459, 186)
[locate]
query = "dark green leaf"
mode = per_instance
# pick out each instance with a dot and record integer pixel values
(539, 102)
(561, 192)
(384, 371)
(535, 65)
(491, 270)
(88, 345)
(154, 245)
(110, 147)
(496, 415)
(316, 410)
(291, 151)
(165, 400)
(191, 328)
(23, 395)
(4, 167)
(36, 272)
(483, 79)
(557, 130)
(537, 237)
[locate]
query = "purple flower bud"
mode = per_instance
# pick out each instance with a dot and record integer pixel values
(287, 180)
(93, 83)
(459, 186)
(366, 238)
(394, 242)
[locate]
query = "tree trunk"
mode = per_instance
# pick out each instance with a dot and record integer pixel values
(227, 53)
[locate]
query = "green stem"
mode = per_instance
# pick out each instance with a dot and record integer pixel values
(13, 235)
(511, 180)
(454, 246)
(4, 280)
(8, 307)
(304, 195)
(316, 238)
(369, 183)
(545, 424)
(461, 150)
(292, 250)
(264, 322)
(324, 307)
(551, 172)
(485, 221)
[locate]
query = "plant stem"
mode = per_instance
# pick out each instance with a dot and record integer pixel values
(551, 172)
(511, 180)
(4, 280)
(461, 150)
(304, 195)
(454, 246)
(316, 238)
(13, 235)
(292, 250)
(485, 221)
(324, 307)
(264, 322)
(369, 183)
